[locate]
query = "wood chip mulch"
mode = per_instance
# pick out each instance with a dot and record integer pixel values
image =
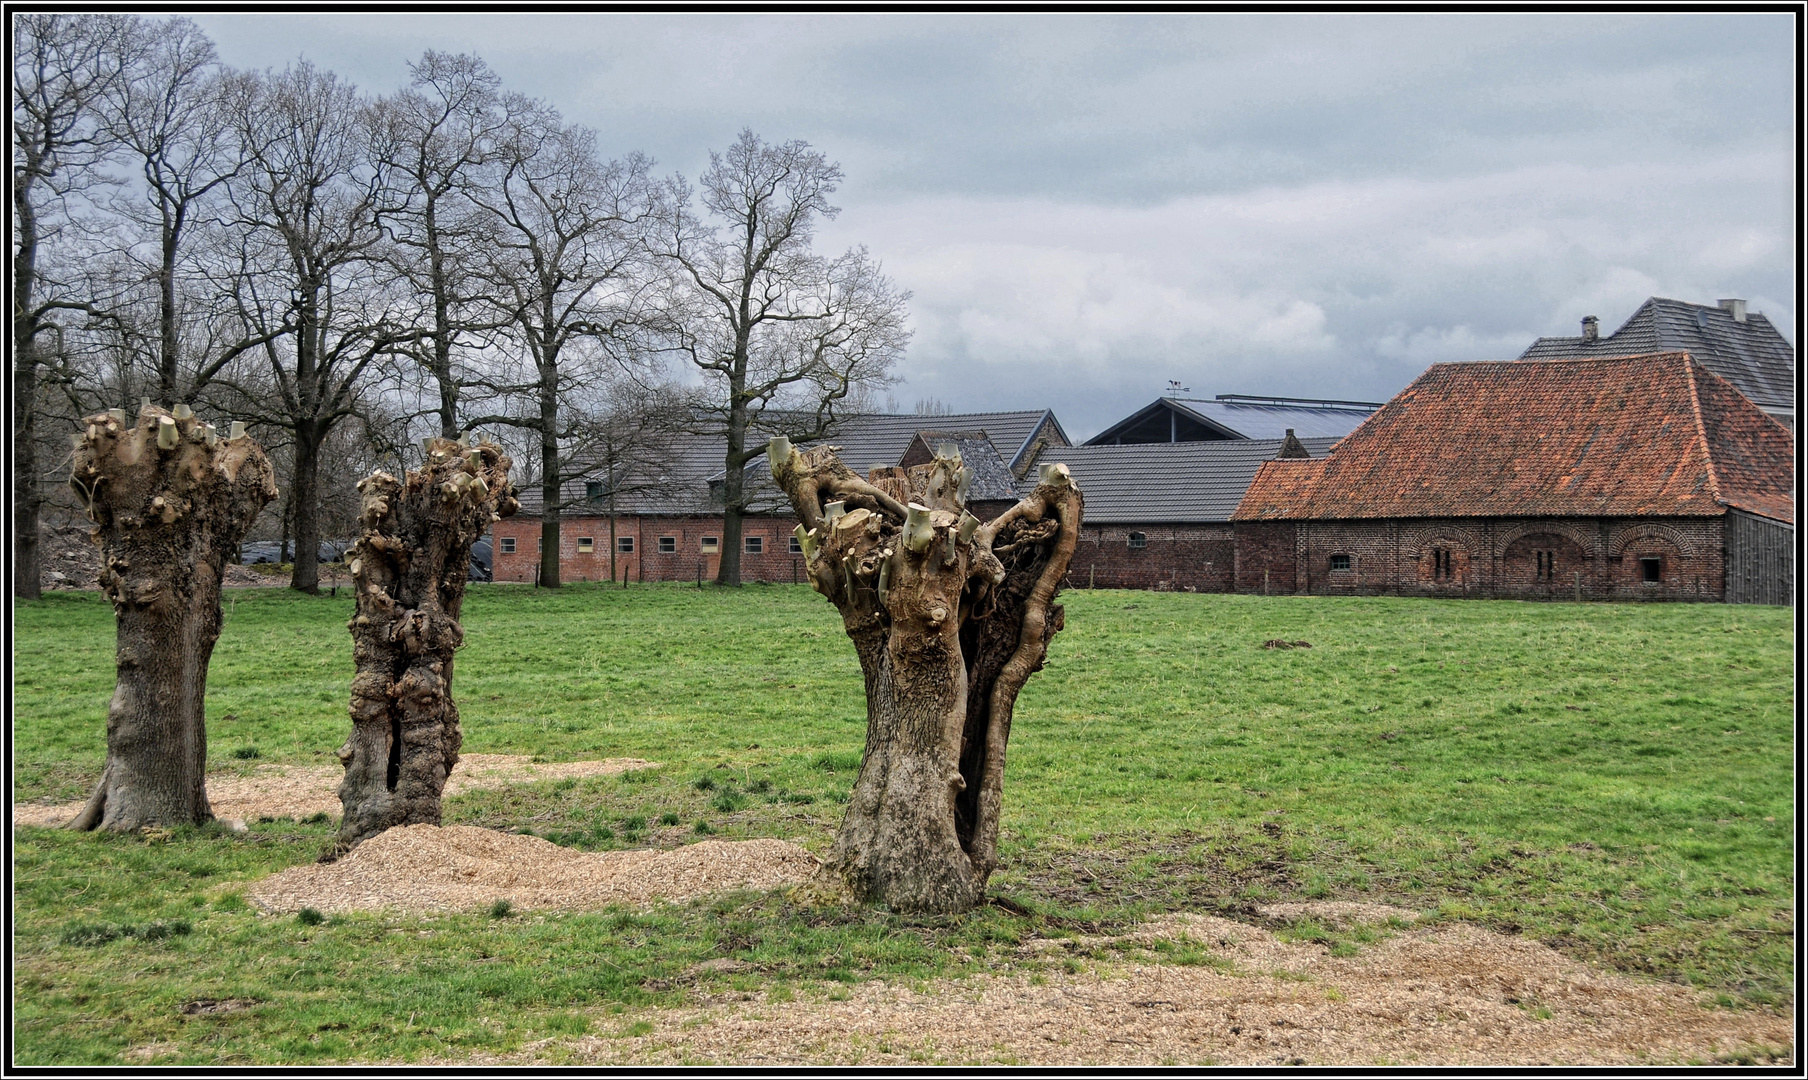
(1439, 995)
(423, 868)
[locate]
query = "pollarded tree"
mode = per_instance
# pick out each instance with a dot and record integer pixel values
(949, 616)
(409, 566)
(171, 500)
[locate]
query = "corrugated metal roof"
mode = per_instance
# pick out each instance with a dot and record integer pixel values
(1253, 421)
(1166, 482)
(1239, 419)
(1752, 355)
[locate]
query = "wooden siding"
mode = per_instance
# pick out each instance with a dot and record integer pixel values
(1760, 560)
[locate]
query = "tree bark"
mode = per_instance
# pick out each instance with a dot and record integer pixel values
(27, 583)
(168, 340)
(26, 498)
(734, 495)
(949, 618)
(551, 508)
(171, 500)
(304, 503)
(409, 568)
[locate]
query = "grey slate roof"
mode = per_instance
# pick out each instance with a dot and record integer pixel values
(992, 478)
(692, 464)
(1752, 355)
(1243, 419)
(876, 438)
(1155, 483)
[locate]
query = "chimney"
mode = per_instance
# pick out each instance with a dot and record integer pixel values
(1736, 307)
(1591, 328)
(1291, 448)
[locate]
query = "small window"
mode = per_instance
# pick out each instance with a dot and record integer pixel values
(710, 545)
(668, 545)
(1340, 563)
(1138, 540)
(1440, 564)
(586, 544)
(1547, 565)
(1651, 570)
(508, 544)
(797, 546)
(625, 545)
(755, 544)
(593, 489)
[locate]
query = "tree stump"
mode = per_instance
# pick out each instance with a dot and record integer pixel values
(949, 617)
(171, 500)
(409, 567)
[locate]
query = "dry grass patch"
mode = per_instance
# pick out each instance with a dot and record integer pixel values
(301, 791)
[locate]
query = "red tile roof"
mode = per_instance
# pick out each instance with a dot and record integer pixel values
(1655, 435)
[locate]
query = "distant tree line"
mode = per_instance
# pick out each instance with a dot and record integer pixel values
(349, 273)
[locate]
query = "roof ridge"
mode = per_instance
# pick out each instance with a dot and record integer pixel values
(1701, 428)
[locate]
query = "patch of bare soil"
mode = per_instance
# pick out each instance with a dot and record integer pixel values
(419, 868)
(67, 557)
(1445, 994)
(299, 791)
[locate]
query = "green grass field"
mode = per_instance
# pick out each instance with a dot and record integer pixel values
(1615, 780)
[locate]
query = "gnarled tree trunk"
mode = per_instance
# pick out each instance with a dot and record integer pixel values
(949, 618)
(172, 500)
(409, 567)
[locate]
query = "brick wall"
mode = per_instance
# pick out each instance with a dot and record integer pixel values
(774, 562)
(1487, 557)
(1525, 558)
(1264, 557)
(1192, 558)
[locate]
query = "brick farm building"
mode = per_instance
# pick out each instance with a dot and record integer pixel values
(1630, 478)
(1643, 477)
(675, 534)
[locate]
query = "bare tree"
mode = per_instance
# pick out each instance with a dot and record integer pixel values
(949, 616)
(63, 66)
(567, 274)
(170, 114)
(783, 338)
(307, 209)
(434, 137)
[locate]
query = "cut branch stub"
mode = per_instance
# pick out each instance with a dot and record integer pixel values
(949, 617)
(169, 507)
(409, 566)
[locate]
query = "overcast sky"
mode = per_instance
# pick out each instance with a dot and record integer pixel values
(1086, 206)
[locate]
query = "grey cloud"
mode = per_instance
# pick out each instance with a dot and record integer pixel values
(1110, 108)
(1087, 205)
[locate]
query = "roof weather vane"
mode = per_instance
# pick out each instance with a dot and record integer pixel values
(1174, 387)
